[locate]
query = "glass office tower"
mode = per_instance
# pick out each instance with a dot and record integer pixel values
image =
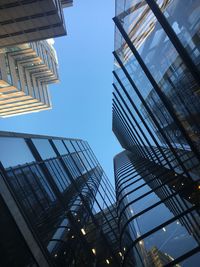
(156, 119)
(58, 204)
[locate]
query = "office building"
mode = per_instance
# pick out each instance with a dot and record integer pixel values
(156, 120)
(157, 208)
(25, 72)
(28, 21)
(56, 203)
(28, 63)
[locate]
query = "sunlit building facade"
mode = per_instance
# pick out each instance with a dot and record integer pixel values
(156, 119)
(57, 202)
(28, 21)
(25, 72)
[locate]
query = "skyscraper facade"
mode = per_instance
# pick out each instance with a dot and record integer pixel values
(155, 118)
(28, 21)
(26, 70)
(57, 202)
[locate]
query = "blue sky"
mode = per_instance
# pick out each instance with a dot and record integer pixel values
(82, 99)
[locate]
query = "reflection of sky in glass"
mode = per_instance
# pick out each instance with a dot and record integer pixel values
(174, 240)
(58, 234)
(44, 147)
(60, 147)
(14, 151)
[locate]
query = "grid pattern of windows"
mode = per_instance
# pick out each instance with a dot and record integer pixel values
(64, 196)
(157, 208)
(156, 118)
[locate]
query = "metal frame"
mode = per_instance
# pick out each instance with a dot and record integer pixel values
(155, 86)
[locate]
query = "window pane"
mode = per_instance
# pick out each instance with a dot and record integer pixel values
(60, 146)
(44, 148)
(14, 151)
(183, 15)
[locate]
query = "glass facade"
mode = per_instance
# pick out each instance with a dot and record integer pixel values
(64, 197)
(158, 211)
(156, 119)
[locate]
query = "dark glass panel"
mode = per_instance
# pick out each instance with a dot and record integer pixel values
(59, 175)
(13, 249)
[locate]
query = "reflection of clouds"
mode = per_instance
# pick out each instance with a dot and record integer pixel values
(182, 236)
(170, 237)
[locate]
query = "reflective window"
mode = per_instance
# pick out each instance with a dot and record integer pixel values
(44, 148)
(69, 146)
(84, 160)
(60, 146)
(183, 15)
(173, 240)
(31, 188)
(59, 175)
(74, 143)
(14, 151)
(166, 67)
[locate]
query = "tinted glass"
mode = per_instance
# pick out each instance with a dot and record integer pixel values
(44, 148)
(14, 151)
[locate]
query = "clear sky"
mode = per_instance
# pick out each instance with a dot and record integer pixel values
(82, 100)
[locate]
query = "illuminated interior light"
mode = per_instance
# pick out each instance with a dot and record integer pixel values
(64, 252)
(182, 183)
(83, 231)
(199, 187)
(164, 229)
(56, 255)
(124, 249)
(79, 220)
(72, 236)
(94, 251)
(175, 174)
(107, 261)
(120, 254)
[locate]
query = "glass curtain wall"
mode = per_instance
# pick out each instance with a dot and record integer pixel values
(156, 119)
(62, 191)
